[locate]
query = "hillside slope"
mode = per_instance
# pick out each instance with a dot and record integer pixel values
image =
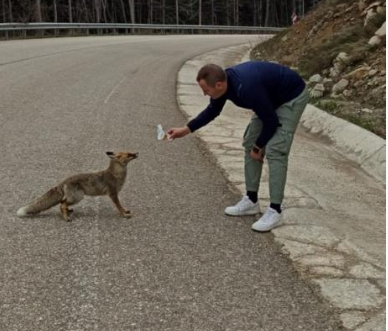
(339, 48)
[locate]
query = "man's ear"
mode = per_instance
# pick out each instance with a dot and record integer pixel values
(111, 154)
(220, 85)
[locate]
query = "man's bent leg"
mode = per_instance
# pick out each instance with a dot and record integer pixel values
(277, 151)
(252, 168)
(279, 146)
(249, 204)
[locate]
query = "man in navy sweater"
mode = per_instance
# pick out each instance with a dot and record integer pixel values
(278, 96)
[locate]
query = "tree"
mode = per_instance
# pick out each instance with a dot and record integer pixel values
(38, 11)
(131, 4)
(70, 9)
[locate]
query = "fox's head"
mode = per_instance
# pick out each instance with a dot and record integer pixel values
(122, 157)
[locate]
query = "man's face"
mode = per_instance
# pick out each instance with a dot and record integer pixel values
(214, 92)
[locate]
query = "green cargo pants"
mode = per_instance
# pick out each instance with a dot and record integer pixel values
(276, 150)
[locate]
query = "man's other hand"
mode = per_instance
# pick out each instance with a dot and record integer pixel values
(259, 156)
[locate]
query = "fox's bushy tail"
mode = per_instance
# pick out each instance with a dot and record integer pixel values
(46, 201)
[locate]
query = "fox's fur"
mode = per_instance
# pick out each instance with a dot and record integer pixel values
(72, 190)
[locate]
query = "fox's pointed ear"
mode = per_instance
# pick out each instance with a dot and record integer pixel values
(110, 154)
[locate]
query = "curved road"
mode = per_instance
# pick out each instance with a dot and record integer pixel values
(179, 263)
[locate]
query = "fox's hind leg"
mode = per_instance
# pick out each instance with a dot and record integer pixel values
(72, 196)
(65, 211)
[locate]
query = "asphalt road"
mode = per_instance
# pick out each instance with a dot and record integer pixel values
(179, 263)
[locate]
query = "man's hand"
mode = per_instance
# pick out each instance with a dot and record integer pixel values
(178, 132)
(257, 154)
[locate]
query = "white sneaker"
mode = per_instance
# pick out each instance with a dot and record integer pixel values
(271, 219)
(243, 207)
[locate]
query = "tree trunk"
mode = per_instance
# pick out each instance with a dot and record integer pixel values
(104, 4)
(152, 12)
(86, 10)
(132, 10)
(70, 12)
(4, 14)
(267, 12)
(213, 13)
(55, 11)
(227, 13)
(38, 11)
(163, 12)
(199, 12)
(10, 11)
(177, 11)
(123, 11)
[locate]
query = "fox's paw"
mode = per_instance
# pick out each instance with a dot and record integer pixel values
(127, 214)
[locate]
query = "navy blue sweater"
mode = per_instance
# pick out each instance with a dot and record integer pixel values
(260, 86)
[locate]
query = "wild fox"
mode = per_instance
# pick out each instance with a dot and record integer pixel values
(72, 190)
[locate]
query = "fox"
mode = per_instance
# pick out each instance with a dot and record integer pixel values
(73, 189)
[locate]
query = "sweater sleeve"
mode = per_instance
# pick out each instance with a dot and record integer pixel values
(209, 114)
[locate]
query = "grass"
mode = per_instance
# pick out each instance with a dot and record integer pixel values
(351, 40)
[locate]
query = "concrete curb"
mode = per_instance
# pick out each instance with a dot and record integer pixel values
(357, 144)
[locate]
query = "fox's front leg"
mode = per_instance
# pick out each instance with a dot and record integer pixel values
(116, 201)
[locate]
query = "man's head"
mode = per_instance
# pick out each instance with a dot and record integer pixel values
(212, 80)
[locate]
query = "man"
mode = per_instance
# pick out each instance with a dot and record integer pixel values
(278, 96)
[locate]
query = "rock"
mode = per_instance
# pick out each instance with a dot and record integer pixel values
(366, 110)
(285, 38)
(373, 5)
(369, 15)
(340, 63)
(359, 83)
(374, 41)
(358, 74)
(380, 10)
(382, 31)
(361, 6)
(336, 96)
(329, 15)
(347, 93)
(339, 66)
(327, 81)
(372, 72)
(317, 91)
(340, 86)
(333, 72)
(315, 78)
(343, 57)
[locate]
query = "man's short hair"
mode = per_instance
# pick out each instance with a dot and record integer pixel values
(211, 74)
